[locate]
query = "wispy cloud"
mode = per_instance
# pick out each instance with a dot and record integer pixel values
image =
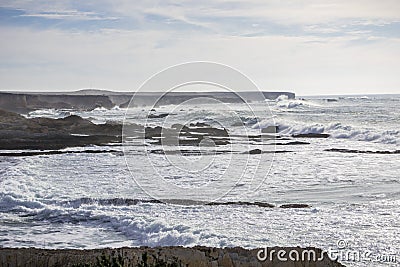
(68, 15)
(299, 44)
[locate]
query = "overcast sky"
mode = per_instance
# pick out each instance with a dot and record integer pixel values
(306, 46)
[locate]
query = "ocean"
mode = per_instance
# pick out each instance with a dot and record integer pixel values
(349, 180)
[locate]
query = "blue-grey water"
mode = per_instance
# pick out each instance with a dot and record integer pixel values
(79, 200)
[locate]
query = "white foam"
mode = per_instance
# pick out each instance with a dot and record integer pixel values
(284, 102)
(48, 113)
(336, 130)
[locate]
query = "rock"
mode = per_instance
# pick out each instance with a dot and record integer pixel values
(22, 102)
(294, 206)
(225, 261)
(270, 129)
(292, 143)
(55, 152)
(255, 151)
(157, 116)
(91, 99)
(192, 134)
(343, 150)
(311, 135)
(242, 203)
(197, 256)
(331, 100)
(18, 132)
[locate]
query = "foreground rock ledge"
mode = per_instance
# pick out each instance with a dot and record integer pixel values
(159, 256)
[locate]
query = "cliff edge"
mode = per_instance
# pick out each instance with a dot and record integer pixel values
(166, 256)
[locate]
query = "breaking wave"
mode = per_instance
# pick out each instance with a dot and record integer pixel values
(336, 130)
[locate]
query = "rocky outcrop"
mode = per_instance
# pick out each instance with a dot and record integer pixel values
(344, 150)
(311, 135)
(18, 132)
(56, 152)
(190, 134)
(167, 256)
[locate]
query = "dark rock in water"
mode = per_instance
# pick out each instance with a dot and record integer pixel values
(331, 100)
(294, 206)
(242, 203)
(270, 129)
(311, 135)
(183, 202)
(264, 204)
(292, 143)
(342, 150)
(255, 151)
(192, 134)
(55, 152)
(18, 132)
(157, 116)
(199, 124)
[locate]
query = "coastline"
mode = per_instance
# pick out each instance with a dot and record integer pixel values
(166, 256)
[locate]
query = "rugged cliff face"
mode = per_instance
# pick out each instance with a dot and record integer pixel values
(164, 256)
(25, 102)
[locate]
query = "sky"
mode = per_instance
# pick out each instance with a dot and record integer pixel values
(310, 47)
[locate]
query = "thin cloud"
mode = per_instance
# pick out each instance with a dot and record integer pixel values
(68, 15)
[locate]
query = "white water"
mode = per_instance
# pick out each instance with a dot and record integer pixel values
(80, 200)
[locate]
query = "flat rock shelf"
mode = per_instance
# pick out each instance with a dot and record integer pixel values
(165, 256)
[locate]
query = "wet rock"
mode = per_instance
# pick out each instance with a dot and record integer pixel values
(342, 150)
(331, 100)
(311, 135)
(158, 116)
(294, 206)
(18, 132)
(293, 143)
(270, 129)
(241, 203)
(55, 152)
(255, 151)
(192, 134)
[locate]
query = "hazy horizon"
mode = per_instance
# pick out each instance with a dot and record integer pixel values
(127, 92)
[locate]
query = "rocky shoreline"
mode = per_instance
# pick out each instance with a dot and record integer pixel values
(50, 135)
(18, 132)
(168, 256)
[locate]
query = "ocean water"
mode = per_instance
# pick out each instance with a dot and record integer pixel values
(92, 200)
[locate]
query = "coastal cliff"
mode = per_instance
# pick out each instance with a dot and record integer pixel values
(91, 99)
(165, 256)
(22, 103)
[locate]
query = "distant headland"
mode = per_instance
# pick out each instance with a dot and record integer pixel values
(88, 99)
